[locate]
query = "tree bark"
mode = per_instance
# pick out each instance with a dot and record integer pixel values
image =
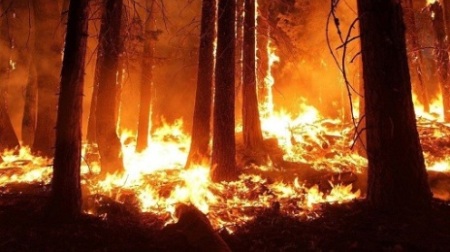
(415, 54)
(110, 49)
(65, 200)
(262, 31)
(224, 149)
(253, 139)
(150, 37)
(397, 178)
(8, 137)
(47, 56)
(201, 127)
(442, 56)
(30, 108)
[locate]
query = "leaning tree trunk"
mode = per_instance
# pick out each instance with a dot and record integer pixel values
(47, 56)
(150, 36)
(224, 149)
(110, 48)
(253, 139)
(65, 200)
(397, 175)
(8, 138)
(201, 128)
(442, 56)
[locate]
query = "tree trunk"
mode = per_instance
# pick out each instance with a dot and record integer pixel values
(47, 56)
(239, 56)
(397, 176)
(262, 31)
(91, 136)
(201, 127)
(110, 48)
(446, 7)
(415, 54)
(65, 200)
(224, 149)
(150, 37)
(8, 138)
(30, 108)
(442, 56)
(253, 139)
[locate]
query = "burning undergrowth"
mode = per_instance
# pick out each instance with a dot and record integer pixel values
(312, 163)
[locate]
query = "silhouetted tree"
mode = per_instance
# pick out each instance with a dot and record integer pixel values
(110, 49)
(253, 139)
(65, 200)
(8, 138)
(201, 128)
(150, 37)
(397, 175)
(47, 58)
(224, 147)
(442, 56)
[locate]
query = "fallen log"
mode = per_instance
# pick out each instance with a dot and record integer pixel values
(197, 230)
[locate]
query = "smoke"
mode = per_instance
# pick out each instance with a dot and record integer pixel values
(307, 69)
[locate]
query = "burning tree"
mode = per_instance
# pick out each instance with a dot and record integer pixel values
(397, 176)
(224, 149)
(253, 139)
(201, 128)
(110, 49)
(65, 201)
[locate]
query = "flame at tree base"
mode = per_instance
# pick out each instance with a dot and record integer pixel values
(155, 180)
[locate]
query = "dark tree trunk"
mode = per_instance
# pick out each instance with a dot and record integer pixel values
(47, 56)
(65, 200)
(110, 49)
(239, 56)
(442, 56)
(262, 31)
(253, 139)
(91, 136)
(397, 175)
(446, 7)
(8, 138)
(30, 108)
(224, 148)
(415, 54)
(201, 128)
(150, 36)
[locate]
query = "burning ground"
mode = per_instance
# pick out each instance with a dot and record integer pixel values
(308, 198)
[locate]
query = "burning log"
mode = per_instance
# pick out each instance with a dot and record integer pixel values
(197, 229)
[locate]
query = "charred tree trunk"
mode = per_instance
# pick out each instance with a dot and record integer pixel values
(91, 136)
(110, 49)
(415, 54)
(239, 56)
(65, 200)
(253, 139)
(446, 7)
(397, 175)
(47, 56)
(150, 37)
(442, 56)
(262, 31)
(30, 108)
(224, 148)
(201, 128)
(8, 137)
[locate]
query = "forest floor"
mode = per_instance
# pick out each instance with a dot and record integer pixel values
(344, 227)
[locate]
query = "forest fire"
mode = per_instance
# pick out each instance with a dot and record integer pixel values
(217, 121)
